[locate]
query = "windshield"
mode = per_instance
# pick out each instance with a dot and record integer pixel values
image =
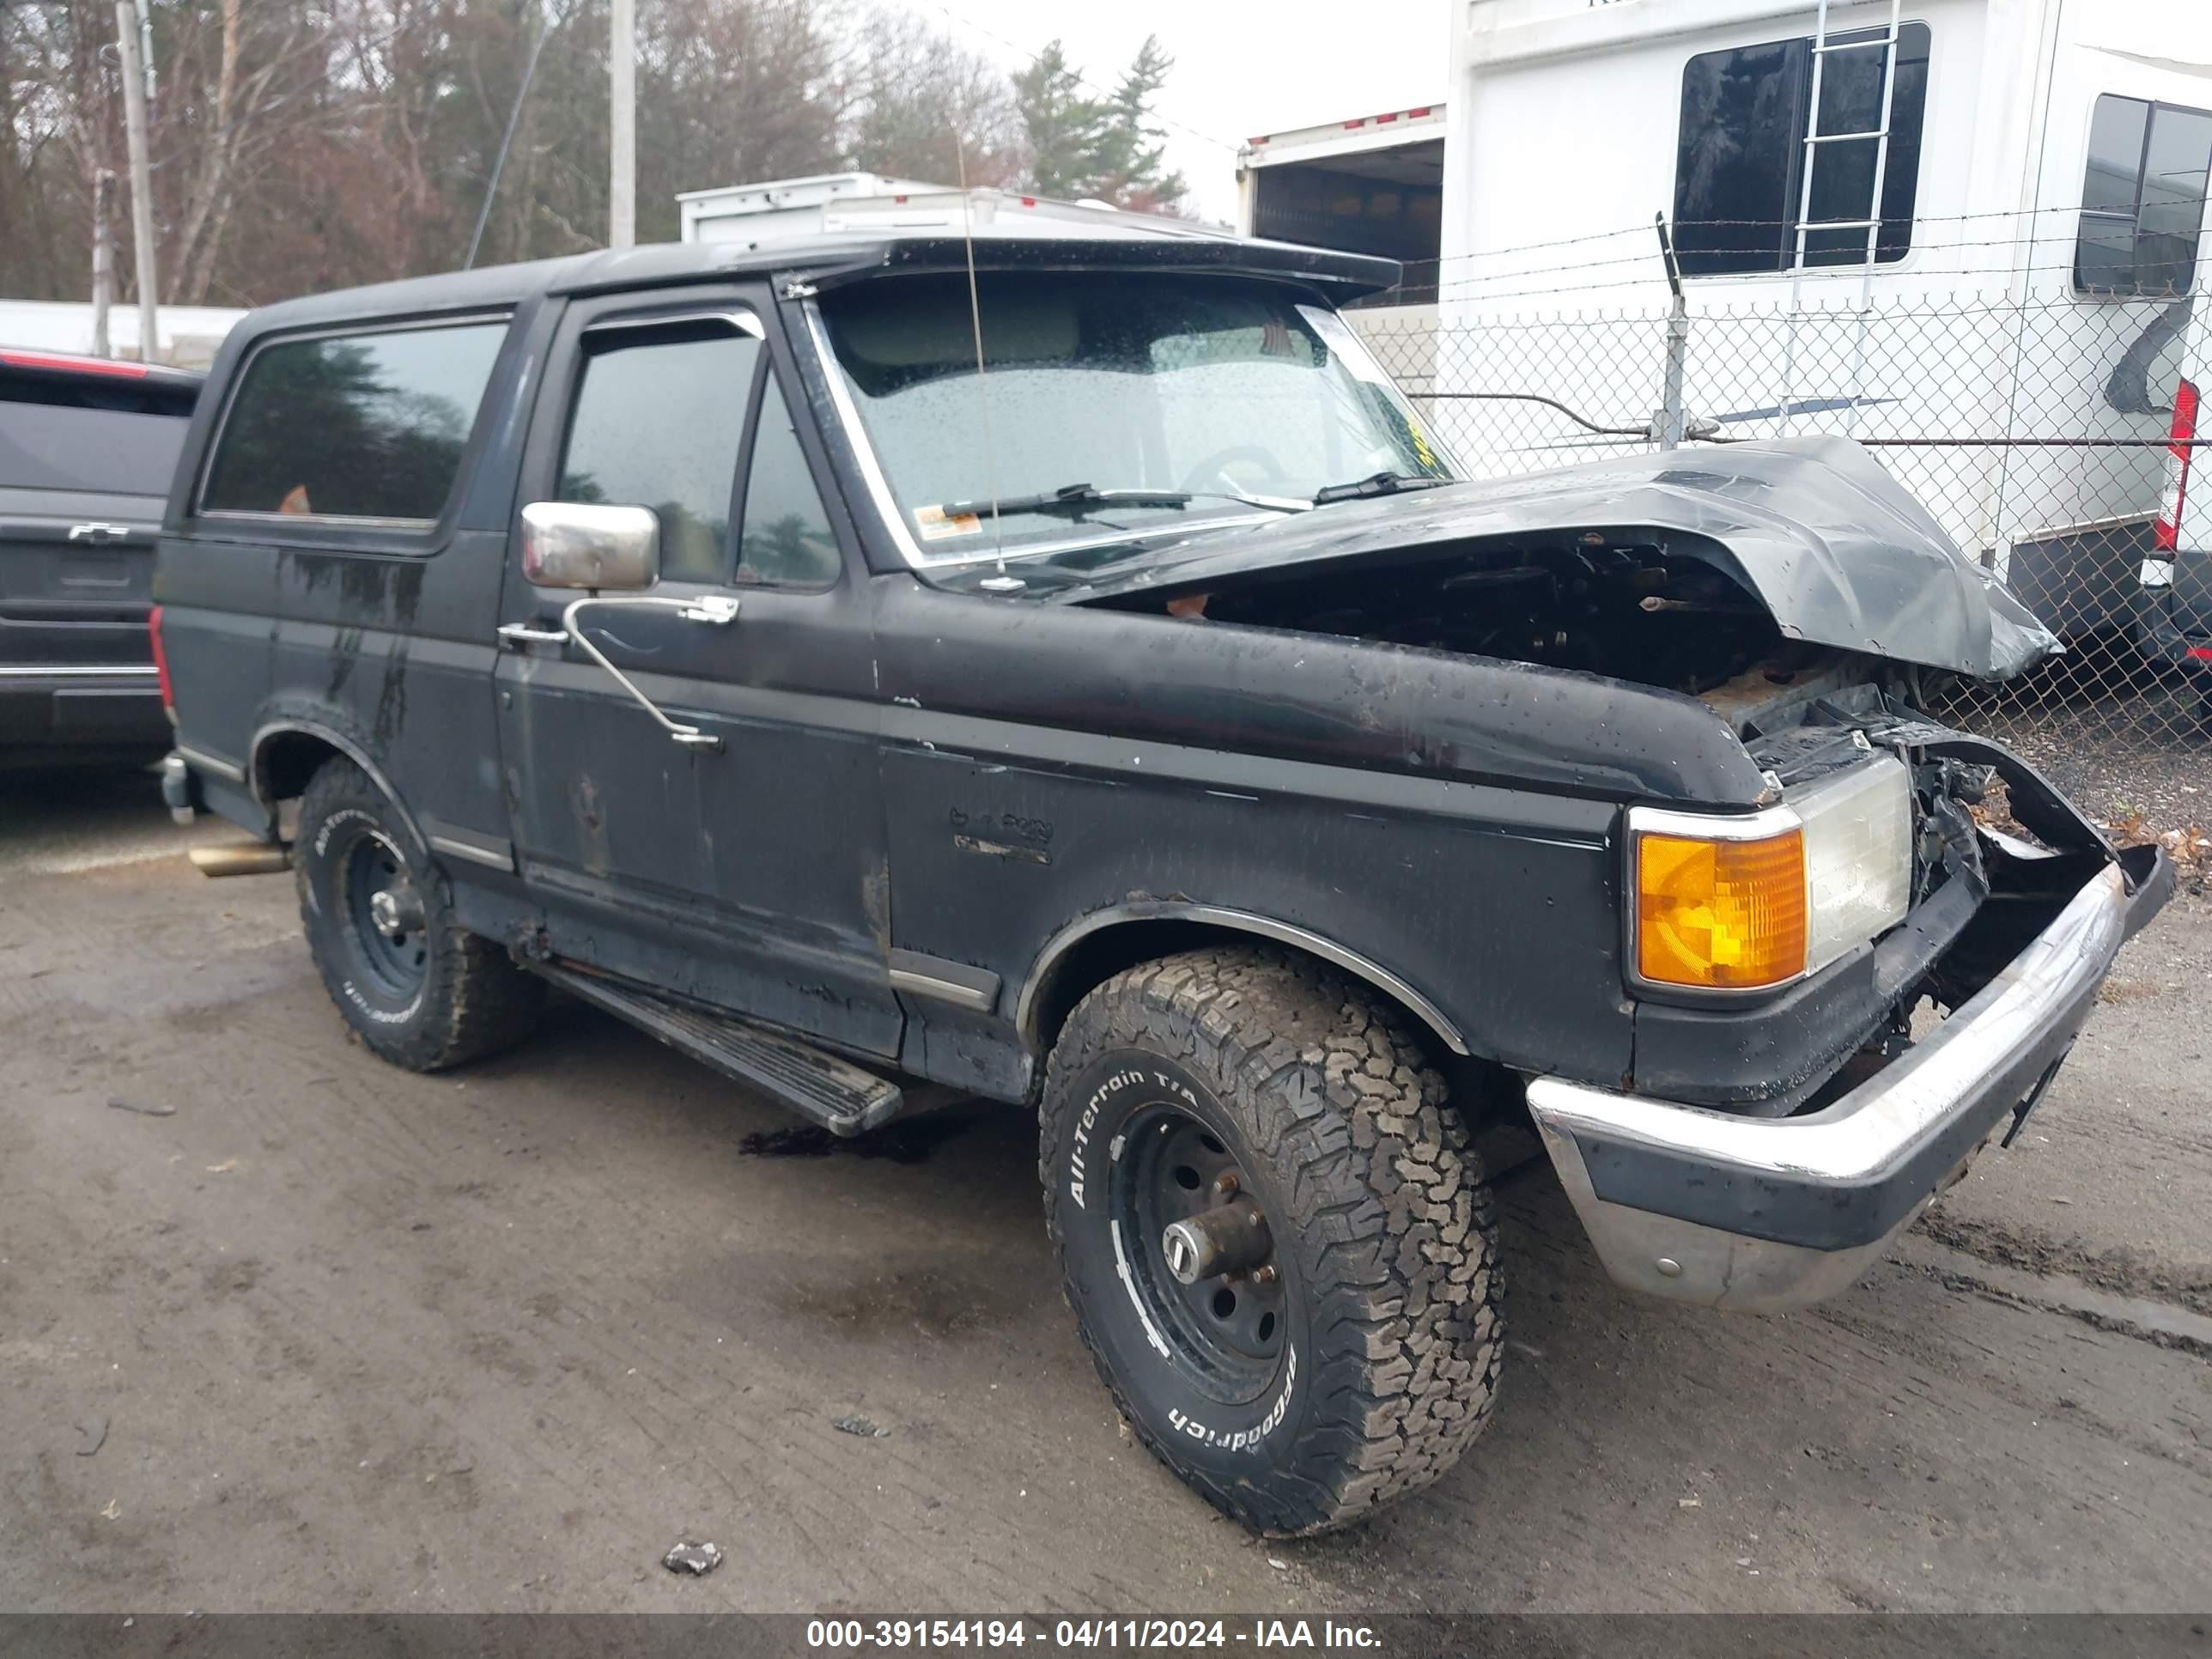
(1229, 392)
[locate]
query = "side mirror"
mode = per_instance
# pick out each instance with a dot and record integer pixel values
(581, 544)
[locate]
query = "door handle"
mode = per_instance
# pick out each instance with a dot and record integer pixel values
(97, 532)
(520, 634)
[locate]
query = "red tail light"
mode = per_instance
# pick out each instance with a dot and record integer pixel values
(2181, 441)
(161, 662)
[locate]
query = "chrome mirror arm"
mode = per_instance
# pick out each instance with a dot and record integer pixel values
(718, 609)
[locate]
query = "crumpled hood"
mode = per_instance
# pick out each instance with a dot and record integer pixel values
(1838, 551)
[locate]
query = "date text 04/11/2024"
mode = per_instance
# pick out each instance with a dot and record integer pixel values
(1166, 1634)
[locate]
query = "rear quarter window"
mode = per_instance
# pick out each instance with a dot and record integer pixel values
(367, 425)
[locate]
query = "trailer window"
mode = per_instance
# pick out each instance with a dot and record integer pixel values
(2142, 197)
(1742, 155)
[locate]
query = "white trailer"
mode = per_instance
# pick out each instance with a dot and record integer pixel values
(856, 203)
(1372, 184)
(1946, 219)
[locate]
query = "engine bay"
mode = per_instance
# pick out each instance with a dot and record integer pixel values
(1631, 611)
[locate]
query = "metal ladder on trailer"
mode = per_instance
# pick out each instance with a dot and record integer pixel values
(1822, 47)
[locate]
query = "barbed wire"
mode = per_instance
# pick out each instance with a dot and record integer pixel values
(1644, 228)
(1842, 268)
(1816, 306)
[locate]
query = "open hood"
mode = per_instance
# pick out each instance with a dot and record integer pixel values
(1838, 552)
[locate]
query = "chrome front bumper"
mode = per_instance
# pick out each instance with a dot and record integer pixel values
(1766, 1214)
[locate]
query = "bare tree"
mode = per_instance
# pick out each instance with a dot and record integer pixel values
(917, 92)
(306, 144)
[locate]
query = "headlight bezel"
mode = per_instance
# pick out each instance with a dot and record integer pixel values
(1869, 801)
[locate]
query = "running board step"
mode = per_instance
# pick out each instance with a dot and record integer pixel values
(844, 1099)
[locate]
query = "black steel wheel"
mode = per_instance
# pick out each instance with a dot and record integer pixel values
(1275, 1236)
(422, 991)
(1176, 1192)
(383, 922)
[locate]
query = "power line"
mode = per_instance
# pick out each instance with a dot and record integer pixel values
(506, 138)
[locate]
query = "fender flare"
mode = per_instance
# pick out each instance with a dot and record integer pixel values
(1243, 921)
(346, 746)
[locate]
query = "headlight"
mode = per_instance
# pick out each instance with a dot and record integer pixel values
(1858, 856)
(1748, 904)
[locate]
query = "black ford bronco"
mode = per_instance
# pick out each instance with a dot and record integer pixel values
(1077, 677)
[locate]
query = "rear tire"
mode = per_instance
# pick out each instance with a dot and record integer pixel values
(422, 991)
(1359, 1359)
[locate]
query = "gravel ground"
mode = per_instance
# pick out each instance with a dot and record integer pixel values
(333, 1336)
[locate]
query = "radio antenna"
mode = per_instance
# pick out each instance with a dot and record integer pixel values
(976, 322)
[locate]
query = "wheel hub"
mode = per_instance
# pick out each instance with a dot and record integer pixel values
(1221, 1243)
(1203, 1268)
(396, 912)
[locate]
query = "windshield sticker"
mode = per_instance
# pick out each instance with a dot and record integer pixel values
(936, 524)
(1422, 453)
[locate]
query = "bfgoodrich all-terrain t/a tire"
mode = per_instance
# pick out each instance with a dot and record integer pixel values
(422, 992)
(1342, 1347)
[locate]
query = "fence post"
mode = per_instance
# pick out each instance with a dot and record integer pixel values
(1667, 424)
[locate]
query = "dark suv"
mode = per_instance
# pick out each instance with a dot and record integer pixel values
(1078, 677)
(87, 450)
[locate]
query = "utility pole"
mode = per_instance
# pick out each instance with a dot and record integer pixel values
(621, 186)
(128, 42)
(103, 258)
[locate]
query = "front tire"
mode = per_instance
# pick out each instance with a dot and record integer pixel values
(422, 991)
(1348, 1352)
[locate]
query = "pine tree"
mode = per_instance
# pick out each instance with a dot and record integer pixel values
(1134, 158)
(1068, 129)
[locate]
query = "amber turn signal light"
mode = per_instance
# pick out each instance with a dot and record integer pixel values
(1720, 914)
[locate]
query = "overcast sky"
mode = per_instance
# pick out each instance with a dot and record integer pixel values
(1260, 66)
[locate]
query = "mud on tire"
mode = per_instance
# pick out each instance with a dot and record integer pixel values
(427, 994)
(1384, 1361)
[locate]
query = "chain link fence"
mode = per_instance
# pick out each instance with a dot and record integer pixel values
(2035, 430)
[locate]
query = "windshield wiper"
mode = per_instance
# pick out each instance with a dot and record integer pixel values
(1076, 498)
(1379, 484)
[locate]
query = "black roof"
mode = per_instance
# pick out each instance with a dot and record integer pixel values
(825, 261)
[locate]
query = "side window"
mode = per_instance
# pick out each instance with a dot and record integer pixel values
(785, 536)
(659, 417)
(354, 426)
(2142, 197)
(1740, 153)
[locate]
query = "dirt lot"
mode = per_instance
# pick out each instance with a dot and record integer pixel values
(361, 1340)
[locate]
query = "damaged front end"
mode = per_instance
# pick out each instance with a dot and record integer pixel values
(1772, 1132)
(1760, 1157)
(1997, 853)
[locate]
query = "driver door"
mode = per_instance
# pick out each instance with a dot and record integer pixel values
(739, 865)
